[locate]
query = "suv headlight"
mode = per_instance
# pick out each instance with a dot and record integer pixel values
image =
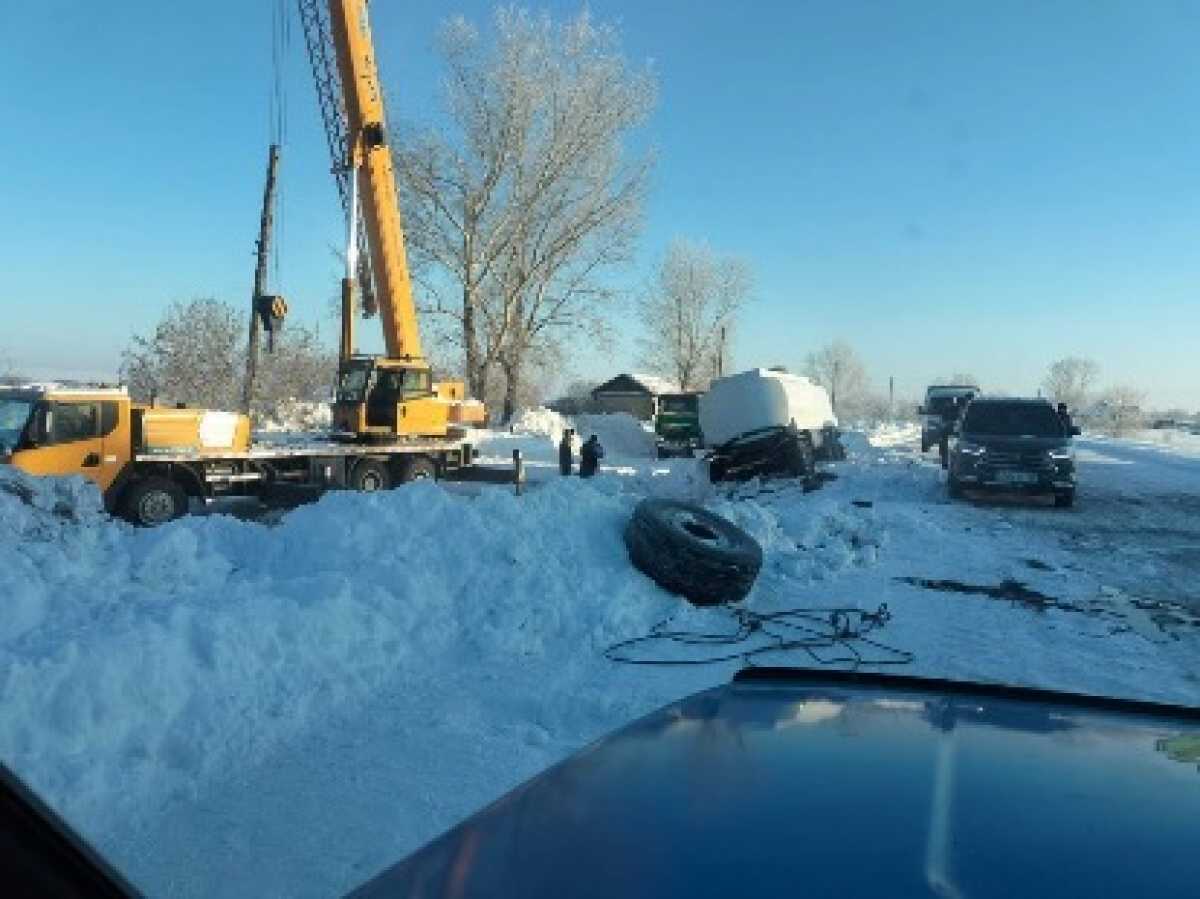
(1060, 455)
(967, 448)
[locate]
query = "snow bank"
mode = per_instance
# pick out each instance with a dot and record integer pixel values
(537, 432)
(138, 663)
(228, 708)
(898, 434)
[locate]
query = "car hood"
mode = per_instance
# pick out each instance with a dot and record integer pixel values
(1016, 444)
(847, 786)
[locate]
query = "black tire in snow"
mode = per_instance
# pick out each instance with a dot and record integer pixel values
(370, 475)
(417, 468)
(1064, 500)
(954, 486)
(153, 501)
(690, 551)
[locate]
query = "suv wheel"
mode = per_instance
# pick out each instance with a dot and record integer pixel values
(1064, 500)
(954, 487)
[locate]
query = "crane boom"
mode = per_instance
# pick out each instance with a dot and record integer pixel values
(314, 18)
(370, 160)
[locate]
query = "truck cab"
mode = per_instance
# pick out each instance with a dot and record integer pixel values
(677, 424)
(381, 398)
(67, 432)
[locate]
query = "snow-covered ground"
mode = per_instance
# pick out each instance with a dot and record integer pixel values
(230, 708)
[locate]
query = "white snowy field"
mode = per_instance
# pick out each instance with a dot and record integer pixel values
(229, 708)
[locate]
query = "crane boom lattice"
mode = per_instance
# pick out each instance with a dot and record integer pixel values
(318, 40)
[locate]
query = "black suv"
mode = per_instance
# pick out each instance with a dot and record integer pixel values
(1019, 445)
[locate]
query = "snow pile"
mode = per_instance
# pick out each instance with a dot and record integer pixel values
(32, 506)
(141, 656)
(895, 434)
(540, 422)
(228, 708)
(537, 432)
(620, 434)
(295, 416)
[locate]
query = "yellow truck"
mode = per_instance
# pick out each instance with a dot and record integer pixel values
(149, 461)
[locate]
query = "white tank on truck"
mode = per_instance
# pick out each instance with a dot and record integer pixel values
(763, 398)
(767, 423)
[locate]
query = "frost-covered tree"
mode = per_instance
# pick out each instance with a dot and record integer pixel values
(1119, 410)
(959, 377)
(838, 368)
(1070, 380)
(196, 355)
(517, 211)
(689, 313)
(193, 356)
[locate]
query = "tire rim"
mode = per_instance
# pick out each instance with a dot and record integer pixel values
(156, 507)
(370, 482)
(700, 530)
(421, 475)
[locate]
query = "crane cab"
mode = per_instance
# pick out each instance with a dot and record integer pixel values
(382, 399)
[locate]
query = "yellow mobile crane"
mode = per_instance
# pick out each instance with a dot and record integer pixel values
(389, 396)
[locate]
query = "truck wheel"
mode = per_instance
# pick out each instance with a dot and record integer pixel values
(954, 486)
(417, 468)
(370, 475)
(1064, 500)
(690, 551)
(153, 501)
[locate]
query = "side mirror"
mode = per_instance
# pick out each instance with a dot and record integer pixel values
(1075, 432)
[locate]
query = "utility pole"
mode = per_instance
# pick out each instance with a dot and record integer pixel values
(263, 247)
(891, 397)
(721, 355)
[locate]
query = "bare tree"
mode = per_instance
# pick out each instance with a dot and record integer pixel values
(1070, 380)
(837, 368)
(690, 311)
(8, 370)
(196, 355)
(514, 221)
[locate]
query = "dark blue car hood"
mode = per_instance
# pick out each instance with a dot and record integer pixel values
(845, 786)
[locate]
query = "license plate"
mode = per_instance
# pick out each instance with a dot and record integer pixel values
(1016, 477)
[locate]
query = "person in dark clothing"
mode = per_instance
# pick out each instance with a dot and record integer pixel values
(1064, 415)
(590, 456)
(948, 421)
(565, 459)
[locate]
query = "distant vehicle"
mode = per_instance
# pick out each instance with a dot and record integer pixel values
(939, 411)
(1015, 445)
(677, 424)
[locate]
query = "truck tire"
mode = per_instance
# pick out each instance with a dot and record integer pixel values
(370, 475)
(153, 501)
(690, 551)
(417, 468)
(1064, 500)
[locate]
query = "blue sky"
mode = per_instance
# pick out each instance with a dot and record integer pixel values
(950, 186)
